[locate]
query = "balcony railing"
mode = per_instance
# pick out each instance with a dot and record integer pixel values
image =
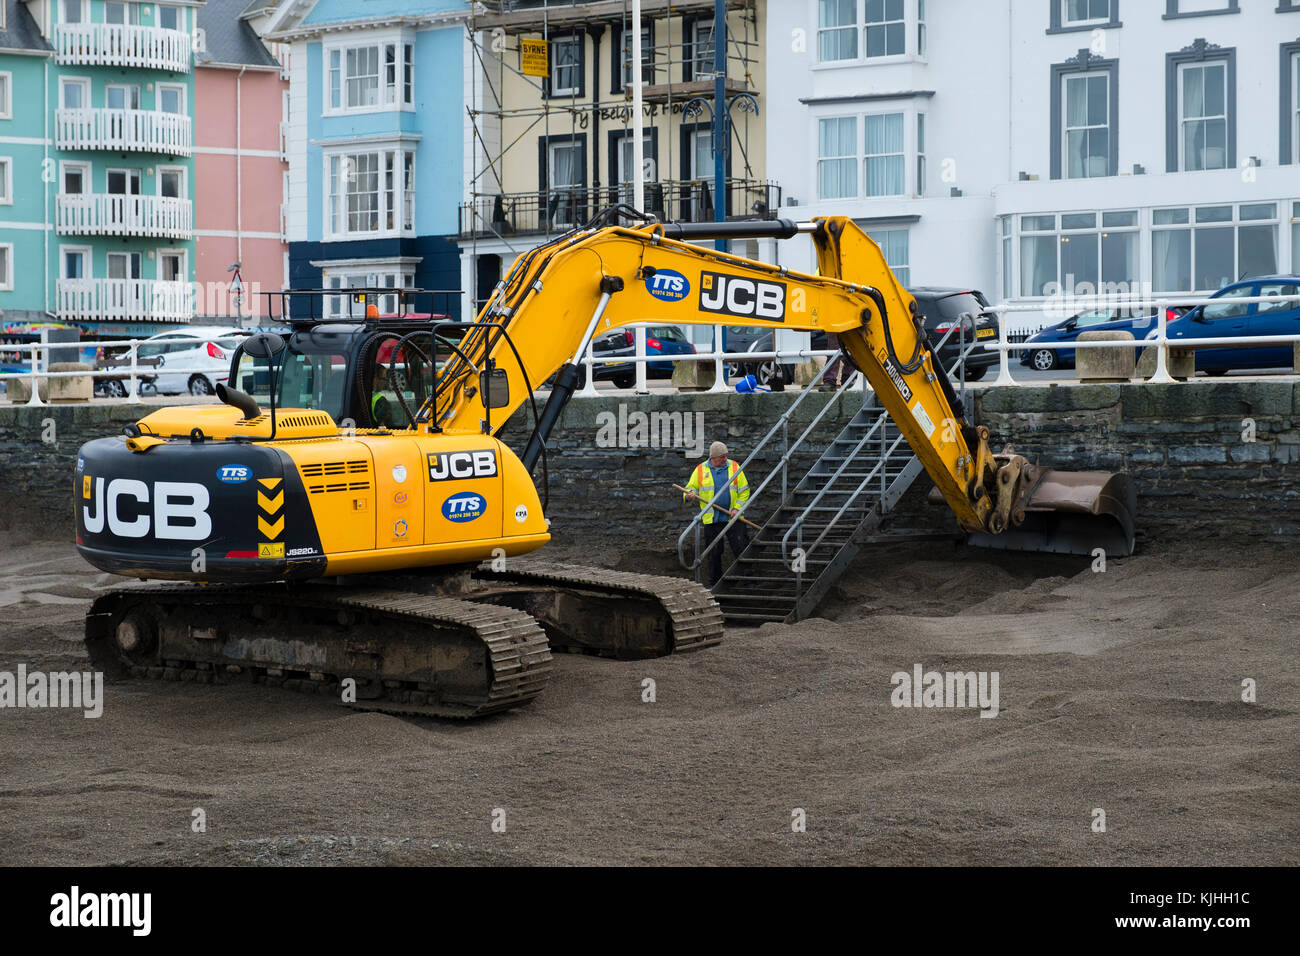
(112, 214)
(125, 300)
(139, 131)
(117, 44)
(556, 210)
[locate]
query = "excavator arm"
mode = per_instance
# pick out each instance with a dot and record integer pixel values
(557, 297)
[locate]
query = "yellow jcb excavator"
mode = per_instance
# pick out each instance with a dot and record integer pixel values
(338, 507)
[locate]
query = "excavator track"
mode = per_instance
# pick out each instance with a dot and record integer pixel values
(409, 653)
(612, 613)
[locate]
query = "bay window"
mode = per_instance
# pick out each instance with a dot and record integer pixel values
(370, 77)
(370, 193)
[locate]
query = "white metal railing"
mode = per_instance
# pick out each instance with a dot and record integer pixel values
(124, 300)
(122, 44)
(117, 214)
(1160, 341)
(149, 131)
(133, 371)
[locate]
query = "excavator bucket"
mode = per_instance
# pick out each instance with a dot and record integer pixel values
(1071, 512)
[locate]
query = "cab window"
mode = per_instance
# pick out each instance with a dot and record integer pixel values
(306, 380)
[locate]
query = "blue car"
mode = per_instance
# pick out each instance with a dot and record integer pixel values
(1231, 319)
(1139, 322)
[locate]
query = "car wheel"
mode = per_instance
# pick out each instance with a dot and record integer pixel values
(975, 374)
(1044, 360)
(116, 388)
(624, 380)
(199, 385)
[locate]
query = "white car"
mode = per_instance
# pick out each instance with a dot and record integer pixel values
(199, 356)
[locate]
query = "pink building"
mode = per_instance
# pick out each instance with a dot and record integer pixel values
(241, 171)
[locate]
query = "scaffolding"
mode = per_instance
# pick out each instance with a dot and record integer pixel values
(678, 85)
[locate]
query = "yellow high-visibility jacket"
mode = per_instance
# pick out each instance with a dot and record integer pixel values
(702, 484)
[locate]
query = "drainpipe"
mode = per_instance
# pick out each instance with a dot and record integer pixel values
(45, 184)
(595, 31)
(239, 165)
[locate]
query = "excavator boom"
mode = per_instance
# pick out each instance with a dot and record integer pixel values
(558, 296)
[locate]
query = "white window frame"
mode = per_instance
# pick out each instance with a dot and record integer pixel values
(878, 236)
(1183, 120)
(855, 26)
(386, 275)
(918, 187)
(180, 253)
(6, 94)
(129, 8)
(625, 55)
(403, 45)
(1294, 80)
(866, 25)
(855, 156)
(1278, 220)
(139, 94)
(160, 88)
(84, 6)
(129, 171)
(867, 157)
(180, 17)
(88, 185)
(83, 83)
(390, 204)
(7, 277)
(1109, 125)
(185, 180)
(88, 263)
(7, 180)
(707, 73)
(1089, 21)
(556, 90)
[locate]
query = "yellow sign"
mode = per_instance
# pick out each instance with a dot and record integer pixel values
(270, 549)
(533, 58)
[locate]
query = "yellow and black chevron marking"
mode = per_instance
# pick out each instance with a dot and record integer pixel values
(270, 504)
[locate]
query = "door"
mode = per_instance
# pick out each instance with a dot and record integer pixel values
(123, 298)
(123, 207)
(625, 170)
(1275, 318)
(120, 127)
(564, 166)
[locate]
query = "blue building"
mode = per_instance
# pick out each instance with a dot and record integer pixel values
(376, 152)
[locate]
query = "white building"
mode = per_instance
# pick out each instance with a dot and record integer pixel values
(1014, 145)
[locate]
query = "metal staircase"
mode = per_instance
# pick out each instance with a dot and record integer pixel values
(813, 536)
(824, 518)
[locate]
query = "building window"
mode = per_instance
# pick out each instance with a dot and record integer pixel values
(6, 96)
(6, 267)
(1208, 247)
(1199, 8)
(920, 27)
(6, 181)
(72, 262)
(562, 174)
(171, 266)
(75, 11)
(625, 57)
(884, 171)
(566, 66)
(368, 192)
(837, 30)
(370, 77)
(1007, 289)
(1200, 108)
(894, 246)
(886, 32)
(341, 306)
(169, 18)
(74, 93)
(1295, 238)
(700, 60)
(920, 154)
(1084, 104)
(171, 183)
(1085, 11)
(76, 178)
(1203, 116)
(1289, 102)
(837, 158)
(1078, 253)
(122, 13)
(171, 99)
(1087, 125)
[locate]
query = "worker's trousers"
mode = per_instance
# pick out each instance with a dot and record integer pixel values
(737, 537)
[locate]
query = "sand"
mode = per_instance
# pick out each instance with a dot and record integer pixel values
(1119, 691)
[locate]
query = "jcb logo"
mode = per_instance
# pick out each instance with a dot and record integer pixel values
(446, 465)
(180, 509)
(746, 298)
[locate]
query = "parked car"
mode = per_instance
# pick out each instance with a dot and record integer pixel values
(1228, 319)
(1136, 321)
(200, 354)
(941, 307)
(620, 343)
(750, 338)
